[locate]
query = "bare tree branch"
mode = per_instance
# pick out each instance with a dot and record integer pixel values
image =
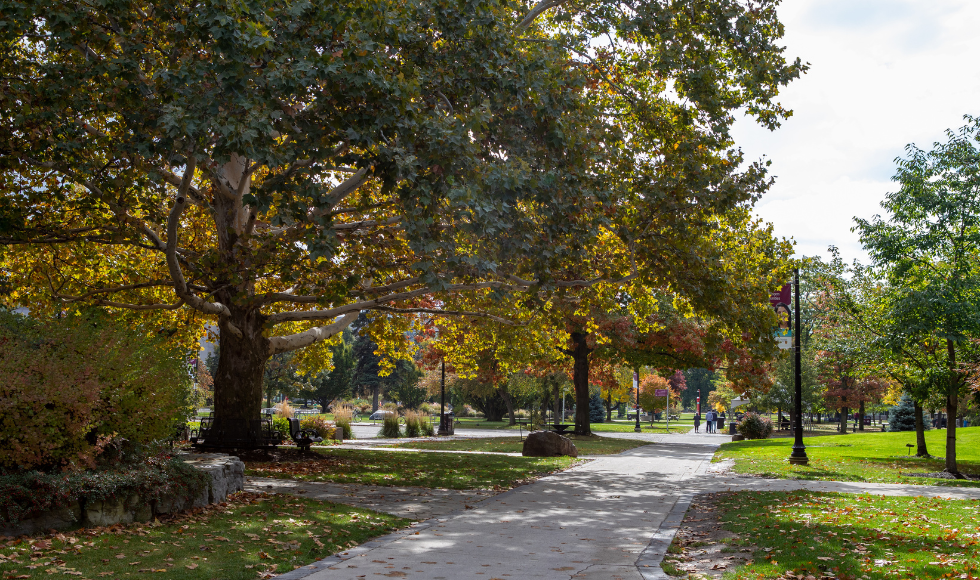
(280, 344)
(366, 224)
(538, 10)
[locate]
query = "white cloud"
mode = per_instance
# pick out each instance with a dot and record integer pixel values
(884, 73)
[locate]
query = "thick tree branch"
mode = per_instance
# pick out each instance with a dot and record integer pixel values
(280, 344)
(366, 224)
(538, 10)
(112, 304)
(152, 283)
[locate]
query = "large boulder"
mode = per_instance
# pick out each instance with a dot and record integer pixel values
(548, 444)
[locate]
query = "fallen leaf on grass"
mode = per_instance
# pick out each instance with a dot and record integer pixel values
(191, 566)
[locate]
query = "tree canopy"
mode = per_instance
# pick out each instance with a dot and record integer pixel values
(279, 167)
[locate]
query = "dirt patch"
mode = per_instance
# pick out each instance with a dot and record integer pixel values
(702, 547)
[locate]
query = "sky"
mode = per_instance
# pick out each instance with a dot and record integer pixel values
(883, 74)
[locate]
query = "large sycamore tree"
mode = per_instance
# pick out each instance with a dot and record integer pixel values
(277, 168)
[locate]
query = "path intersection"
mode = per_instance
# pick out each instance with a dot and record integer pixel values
(610, 519)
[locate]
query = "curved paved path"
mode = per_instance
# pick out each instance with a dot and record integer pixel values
(609, 519)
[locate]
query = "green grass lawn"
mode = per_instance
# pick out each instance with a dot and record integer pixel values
(853, 536)
(250, 536)
(873, 457)
(394, 468)
(586, 445)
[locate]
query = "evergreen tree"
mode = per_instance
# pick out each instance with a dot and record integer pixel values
(597, 412)
(901, 417)
(326, 386)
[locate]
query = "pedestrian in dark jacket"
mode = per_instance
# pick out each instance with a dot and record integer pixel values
(697, 422)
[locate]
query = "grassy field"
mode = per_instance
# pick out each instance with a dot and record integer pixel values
(250, 536)
(853, 536)
(873, 457)
(394, 468)
(586, 445)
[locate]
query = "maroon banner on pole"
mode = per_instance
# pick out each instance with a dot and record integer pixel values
(660, 392)
(783, 296)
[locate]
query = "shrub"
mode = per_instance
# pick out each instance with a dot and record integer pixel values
(755, 426)
(318, 424)
(64, 383)
(280, 426)
(343, 415)
(429, 409)
(389, 425)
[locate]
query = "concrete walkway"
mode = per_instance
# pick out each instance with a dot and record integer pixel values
(610, 519)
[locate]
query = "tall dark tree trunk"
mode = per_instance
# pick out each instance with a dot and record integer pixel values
(238, 383)
(952, 399)
(844, 414)
(920, 431)
(557, 404)
(509, 401)
(580, 377)
(376, 393)
(609, 406)
(861, 416)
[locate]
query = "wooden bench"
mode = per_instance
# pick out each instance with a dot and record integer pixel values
(302, 438)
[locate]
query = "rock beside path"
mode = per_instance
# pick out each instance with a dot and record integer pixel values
(548, 444)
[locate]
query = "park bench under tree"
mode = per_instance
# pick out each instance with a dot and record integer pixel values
(302, 438)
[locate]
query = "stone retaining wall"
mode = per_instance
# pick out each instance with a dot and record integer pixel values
(227, 477)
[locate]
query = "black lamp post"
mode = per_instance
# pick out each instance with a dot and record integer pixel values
(443, 423)
(798, 456)
(636, 381)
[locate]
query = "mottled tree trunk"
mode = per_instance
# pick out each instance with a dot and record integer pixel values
(509, 401)
(920, 432)
(580, 377)
(238, 383)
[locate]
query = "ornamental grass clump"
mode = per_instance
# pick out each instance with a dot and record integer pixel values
(417, 424)
(389, 424)
(755, 426)
(343, 416)
(284, 409)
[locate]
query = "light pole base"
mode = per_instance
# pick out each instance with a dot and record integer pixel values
(637, 430)
(799, 460)
(446, 426)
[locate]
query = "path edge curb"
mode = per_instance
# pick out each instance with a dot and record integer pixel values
(648, 564)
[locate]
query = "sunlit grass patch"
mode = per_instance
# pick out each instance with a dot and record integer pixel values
(872, 457)
(853, 536)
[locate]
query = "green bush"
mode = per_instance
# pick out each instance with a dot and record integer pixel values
(343, 415)
(417, 424)
(64, 383)
(318, 424)
(280, 427)
(755, 426)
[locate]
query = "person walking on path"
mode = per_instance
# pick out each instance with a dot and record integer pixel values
(697, 422)
(711, 421)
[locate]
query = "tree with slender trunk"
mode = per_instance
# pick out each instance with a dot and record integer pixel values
(928, 249)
